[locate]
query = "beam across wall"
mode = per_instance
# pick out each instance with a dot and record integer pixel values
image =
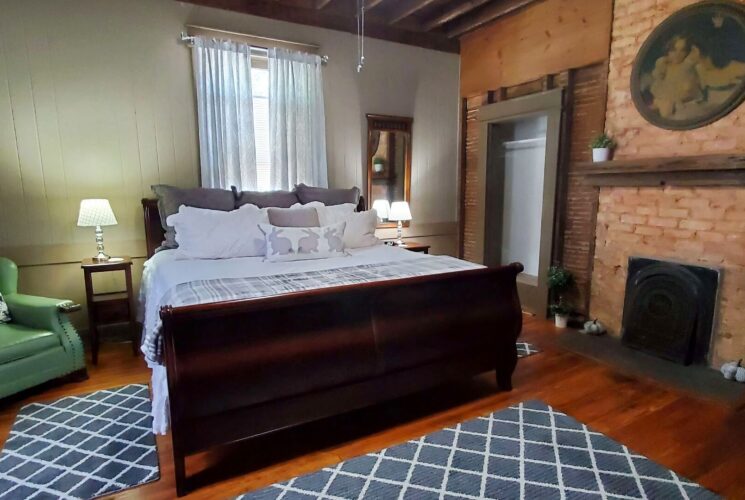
(486, 15)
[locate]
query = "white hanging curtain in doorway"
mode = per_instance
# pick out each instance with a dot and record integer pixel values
(297, 122)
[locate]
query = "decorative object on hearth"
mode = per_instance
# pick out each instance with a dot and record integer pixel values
(594, 327)
(691, 69)
(84, 446)
(559, 281)
(97, 213)
(529, 450)
(602, 146)
(729, 370)
(740, 374)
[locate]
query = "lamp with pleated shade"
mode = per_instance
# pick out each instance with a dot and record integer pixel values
(97, 213)
(383, 208)
(400, 212)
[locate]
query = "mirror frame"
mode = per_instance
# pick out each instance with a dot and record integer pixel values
(385, 123)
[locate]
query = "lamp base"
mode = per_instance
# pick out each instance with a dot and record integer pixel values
(101, 257)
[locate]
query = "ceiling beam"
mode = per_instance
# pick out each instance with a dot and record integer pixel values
(485, 15)
(333, 19)
(371, 4)
(321, 4)
(451, 14)
(408, 8)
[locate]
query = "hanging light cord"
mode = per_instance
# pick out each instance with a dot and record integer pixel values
(360, 34)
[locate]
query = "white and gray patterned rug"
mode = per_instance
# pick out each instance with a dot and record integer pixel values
(80, 446)
(527, 451)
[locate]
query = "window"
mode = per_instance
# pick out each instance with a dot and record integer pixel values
(260, 88)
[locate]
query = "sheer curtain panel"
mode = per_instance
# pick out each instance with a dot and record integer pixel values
(297, 123)
(222, 75)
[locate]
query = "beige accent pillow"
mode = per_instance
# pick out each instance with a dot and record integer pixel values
(293, 217)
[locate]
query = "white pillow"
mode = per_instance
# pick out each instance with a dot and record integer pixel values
(303, 243)
(360, 229)
(333, 213)
(214, 234)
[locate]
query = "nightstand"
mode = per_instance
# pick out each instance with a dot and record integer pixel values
(413, 246)
(109, 308)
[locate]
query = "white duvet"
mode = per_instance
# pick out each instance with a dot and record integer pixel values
(167, 269)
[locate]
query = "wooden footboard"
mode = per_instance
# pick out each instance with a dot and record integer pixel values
(245, 368)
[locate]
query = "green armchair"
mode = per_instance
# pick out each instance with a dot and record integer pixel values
(40, 343)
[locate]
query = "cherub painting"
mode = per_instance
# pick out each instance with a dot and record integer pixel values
(691, 70)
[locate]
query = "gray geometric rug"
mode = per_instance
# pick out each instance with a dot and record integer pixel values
(527, 451)
(80, 446)
(524, 350)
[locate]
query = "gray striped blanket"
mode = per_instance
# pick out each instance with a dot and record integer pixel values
(219, 290)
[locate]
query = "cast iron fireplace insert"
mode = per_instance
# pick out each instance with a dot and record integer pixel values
(669, 309)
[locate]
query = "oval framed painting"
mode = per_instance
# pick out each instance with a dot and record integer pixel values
(691, 69)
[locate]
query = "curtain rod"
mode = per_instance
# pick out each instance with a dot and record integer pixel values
(189, 39)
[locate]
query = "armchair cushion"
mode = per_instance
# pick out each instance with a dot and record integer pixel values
(35, 312)
(18, 342)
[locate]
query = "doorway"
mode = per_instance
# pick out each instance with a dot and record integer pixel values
(519, 163)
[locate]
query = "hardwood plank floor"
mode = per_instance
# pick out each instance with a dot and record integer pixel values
(702, 440)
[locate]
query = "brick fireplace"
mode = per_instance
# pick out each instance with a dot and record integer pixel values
(698, 225)
(697, 216)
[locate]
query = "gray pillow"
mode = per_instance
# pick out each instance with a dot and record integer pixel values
(170, 198)
(265, 199)
(293, 217)
(328, 197)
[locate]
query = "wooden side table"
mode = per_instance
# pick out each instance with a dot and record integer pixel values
(109, 308)
(413, 246)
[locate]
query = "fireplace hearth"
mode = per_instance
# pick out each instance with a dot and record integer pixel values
(669, 309)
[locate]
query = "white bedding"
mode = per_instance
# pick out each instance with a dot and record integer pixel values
(167, 269)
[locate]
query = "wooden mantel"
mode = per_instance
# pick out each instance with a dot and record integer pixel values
(711, 170)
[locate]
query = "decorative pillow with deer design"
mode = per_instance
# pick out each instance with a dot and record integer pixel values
(303, 243)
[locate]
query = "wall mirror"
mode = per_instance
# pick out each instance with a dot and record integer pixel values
(388, 162)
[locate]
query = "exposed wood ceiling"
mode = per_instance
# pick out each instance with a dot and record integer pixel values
(435, 24)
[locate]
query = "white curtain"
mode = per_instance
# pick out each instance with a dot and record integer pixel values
(297, 123)
(222, 74)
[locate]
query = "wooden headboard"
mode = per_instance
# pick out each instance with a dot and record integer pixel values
(155, 234)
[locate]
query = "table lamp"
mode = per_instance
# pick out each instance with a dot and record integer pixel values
(383, 208)
(97, 213)
(399, 212)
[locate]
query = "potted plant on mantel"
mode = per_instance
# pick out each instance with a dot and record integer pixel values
(559, 281)
(602, 147)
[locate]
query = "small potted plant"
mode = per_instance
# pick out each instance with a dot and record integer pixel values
(378, 164)
(601, 148)
(559, 281)
(561, 312)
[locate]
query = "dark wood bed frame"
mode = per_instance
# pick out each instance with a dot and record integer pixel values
(245, 368)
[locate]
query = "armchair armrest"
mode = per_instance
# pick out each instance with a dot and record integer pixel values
(37, 312)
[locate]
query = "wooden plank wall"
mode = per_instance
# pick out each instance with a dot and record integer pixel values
(548, 37)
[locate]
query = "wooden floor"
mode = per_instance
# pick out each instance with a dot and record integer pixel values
(702, 440)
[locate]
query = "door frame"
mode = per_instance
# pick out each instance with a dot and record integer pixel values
(549, 103)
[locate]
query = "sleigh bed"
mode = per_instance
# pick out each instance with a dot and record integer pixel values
(241, 368)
